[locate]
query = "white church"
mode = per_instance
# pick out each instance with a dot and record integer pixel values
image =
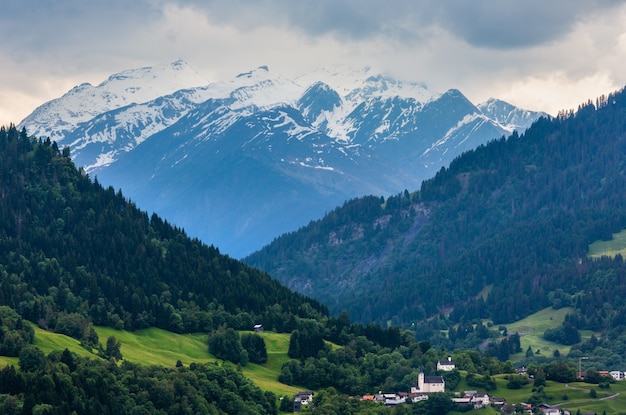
(428, 384)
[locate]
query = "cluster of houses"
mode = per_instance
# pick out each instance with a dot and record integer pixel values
(474, 399)
(419, 391)
(478, 400)
(470, 398)
(431, 384)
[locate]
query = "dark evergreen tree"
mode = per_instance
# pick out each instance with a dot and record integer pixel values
(225, 344)
(305, 343)
(113, 349)
(254, 345)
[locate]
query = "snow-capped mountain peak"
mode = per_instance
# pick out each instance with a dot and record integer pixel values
(263, 90)
(387, 87)
(279, 151)
(150, 82)
(260, 71)
(85, 101)
(508, 116)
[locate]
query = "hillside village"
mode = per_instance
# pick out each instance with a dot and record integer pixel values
(419, 392)
(470, 398)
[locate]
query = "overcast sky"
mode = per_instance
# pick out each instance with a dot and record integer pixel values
(537, 54)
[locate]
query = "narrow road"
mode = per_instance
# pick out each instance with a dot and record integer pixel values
(606, 398)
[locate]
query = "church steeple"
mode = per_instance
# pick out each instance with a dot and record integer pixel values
(420, 381)
(419, 386)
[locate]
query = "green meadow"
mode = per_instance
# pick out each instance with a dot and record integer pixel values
(531, 331)
(266, 375)
(159, 347)
(154, 346)
(617, 245)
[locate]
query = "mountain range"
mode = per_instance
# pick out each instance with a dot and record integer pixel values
(237, 163)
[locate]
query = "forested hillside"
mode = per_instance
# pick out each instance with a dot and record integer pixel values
(511, 221)
(71, 247)
(74, 255)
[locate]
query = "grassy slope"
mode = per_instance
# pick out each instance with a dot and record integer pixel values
(615, 246)
(265, 375)
(531, 331)
(159, 347)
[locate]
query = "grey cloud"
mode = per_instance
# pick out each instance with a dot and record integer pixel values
(512, 24)
(493, 24)
(38, 26)
(354, 19)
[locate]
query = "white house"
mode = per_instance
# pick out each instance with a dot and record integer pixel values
(446, 365)
(394, 401)
(480, 400)
(302, 399)
(416, 397)
(617, 375)
(428, 384)
(549, 410)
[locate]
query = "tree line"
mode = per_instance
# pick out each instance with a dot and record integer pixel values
(65, 383)
(74, 253)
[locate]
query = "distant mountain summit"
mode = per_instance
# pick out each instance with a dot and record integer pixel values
(56, 118)
(239, 162)
(508, 115)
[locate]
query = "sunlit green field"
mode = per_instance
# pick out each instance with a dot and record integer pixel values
(6, 361)
(571, 396)
(531, 331)
(615, 246)
(159, 347)
(266, 375)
